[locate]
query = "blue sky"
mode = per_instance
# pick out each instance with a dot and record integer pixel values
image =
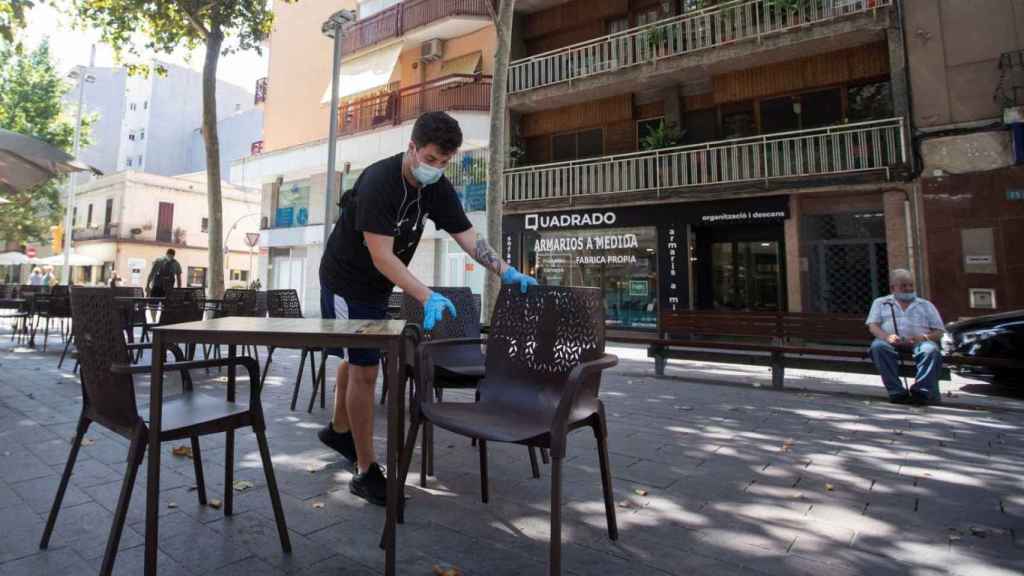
(70, 47)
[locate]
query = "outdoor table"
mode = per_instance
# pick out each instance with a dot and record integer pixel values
(385, 335)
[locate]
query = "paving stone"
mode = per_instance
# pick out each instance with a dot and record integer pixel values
(707, 480)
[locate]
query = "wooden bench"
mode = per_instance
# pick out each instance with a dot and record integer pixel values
(779, 340)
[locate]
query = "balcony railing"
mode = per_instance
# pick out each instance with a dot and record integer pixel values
(843, 149)
(451, 93)
(716, 26)
(399, 19)
(109, 231)
(261, 91)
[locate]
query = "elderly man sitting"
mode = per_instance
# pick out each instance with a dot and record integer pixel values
(902, 321)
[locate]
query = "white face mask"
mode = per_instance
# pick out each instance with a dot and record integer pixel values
(424, 173)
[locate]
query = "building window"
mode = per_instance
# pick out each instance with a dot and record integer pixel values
(132, 106)
(88, 217)
(142, 134)
(622, 262)
(131, 136)
(197, 276)
(292, 205)
(240, 276)
(370, 7)
(204, 226)
(618, 25)
(576, 145)
(129, 162)
(145, 104)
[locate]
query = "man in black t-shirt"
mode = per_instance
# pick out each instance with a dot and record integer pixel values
(368, 253)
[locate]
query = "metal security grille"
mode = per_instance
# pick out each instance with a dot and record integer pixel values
(847, 261)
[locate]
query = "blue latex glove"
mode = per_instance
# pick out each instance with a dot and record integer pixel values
(433, 310)
(513, 276)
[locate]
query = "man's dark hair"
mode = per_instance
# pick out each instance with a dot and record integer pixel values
(437, 128)
(170, 251)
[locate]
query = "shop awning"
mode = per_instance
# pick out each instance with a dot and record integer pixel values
(365, 72)
(468, 64)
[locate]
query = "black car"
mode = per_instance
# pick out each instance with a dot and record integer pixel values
(994, 336)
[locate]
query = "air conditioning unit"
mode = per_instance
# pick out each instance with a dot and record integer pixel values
(432, 50)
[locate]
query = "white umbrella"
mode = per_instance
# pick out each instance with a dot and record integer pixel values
(75, 260)
(26, 162)
(13, 259)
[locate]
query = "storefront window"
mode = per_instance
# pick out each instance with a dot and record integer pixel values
(292, 205)
(620, 261)
(196, 276)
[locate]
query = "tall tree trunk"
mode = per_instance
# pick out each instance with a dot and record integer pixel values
(496, 161)
(213, 192)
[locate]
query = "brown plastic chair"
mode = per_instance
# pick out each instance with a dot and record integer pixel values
(54, 306)
(455, 367)
(286, 304)
(108, 399)
(545, 356)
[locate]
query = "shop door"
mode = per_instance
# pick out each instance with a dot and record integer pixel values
(746, 276)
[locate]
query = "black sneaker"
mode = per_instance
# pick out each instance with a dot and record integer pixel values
(900, 399)
(919, 398)
(341, 442)
(371, 485)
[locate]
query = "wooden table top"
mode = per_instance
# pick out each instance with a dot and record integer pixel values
(295, 327)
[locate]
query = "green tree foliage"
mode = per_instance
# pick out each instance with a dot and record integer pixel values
(30, 104)
(12, 17)
(170, 24)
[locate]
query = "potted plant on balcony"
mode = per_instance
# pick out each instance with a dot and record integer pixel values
(664, 135)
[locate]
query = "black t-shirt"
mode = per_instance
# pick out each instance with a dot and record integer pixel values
(381, 202)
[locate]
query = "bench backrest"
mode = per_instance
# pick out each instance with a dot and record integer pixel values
(789, 327)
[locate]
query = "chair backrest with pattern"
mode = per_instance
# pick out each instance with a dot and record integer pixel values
(239, 302)
(182, 305)
(537, 339)
(284, 303)
(60, 302)
(97, 325)
(466, 323)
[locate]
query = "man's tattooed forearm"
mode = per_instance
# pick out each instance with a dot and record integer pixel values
(485, 255)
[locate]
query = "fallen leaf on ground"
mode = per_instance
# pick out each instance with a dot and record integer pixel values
(182, 451)
(626, 504)
(314, 468)
(88, 441)
(453, 571)
(787, 445)
(215, 503)
(318, 505)
(242, 485)
(640, 492)
(829, 487)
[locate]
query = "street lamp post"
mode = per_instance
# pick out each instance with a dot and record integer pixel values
(332, 28)
(82, 75)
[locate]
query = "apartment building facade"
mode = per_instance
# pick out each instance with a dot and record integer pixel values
(745, 155)
(399, 61)
(148, 123)
(967, 83)
(129, 219)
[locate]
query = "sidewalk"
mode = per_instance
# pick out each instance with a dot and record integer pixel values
(709, 479)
